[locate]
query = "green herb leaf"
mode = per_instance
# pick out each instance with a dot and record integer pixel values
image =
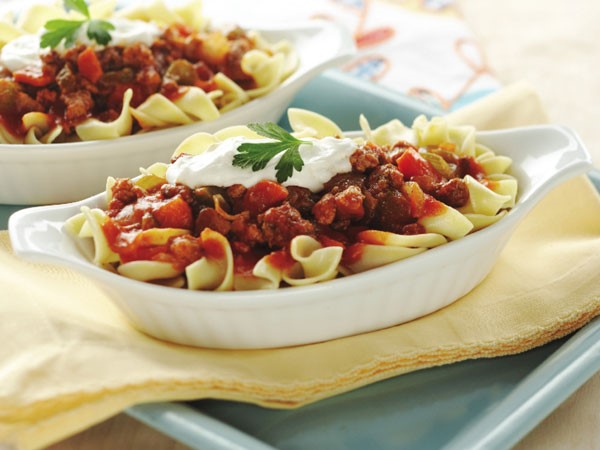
(289, 161)
(99, 31)
(273, 131)
(78, 5)
(258, 154)
(60, 29)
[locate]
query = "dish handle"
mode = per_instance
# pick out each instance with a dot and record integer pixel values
(544, 157)
(37, 234)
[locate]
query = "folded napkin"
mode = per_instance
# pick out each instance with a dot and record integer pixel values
(397, 42)
(69, 359)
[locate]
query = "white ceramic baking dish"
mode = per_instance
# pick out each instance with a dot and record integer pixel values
(59, 173)
(543, 158)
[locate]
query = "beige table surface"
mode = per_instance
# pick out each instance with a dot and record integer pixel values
(555, 44)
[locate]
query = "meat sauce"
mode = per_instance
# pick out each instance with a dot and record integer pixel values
(263, 219)
(84, 83)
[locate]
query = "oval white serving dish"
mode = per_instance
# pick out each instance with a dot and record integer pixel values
(543, 157)
(60, 173)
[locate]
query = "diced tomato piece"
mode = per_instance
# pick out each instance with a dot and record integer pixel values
(432, 207)
(174, 213)
(33, 76)
(264, 195)
(412, 164)
(89, 65)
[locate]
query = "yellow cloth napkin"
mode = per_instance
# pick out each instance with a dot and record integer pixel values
(69, 359)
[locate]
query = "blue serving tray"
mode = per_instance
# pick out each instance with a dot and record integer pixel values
(479, 404)
(484, 403)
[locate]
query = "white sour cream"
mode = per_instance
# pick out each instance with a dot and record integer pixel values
(25, 50)
(323, 158)
(126, 32)
(21, 52)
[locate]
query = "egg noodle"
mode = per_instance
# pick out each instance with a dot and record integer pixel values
(147, 243)
(37, 106)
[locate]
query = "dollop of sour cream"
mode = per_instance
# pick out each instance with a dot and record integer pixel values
(323, 158)
(126, 32)
(21, 52)
(25, 50)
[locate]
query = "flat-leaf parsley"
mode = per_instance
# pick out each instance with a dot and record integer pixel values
(58, 30)
(258, 154)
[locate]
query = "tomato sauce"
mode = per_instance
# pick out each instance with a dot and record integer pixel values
(281, 259)
(243, 263)
(432, 207)
(213, 248)
(130, 246)
(327, 241)
(13, 124)
(262, 220)
(352, 254)
(474, 169)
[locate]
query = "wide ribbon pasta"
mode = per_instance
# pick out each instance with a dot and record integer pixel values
(160, 112)
(315, 263)
(188, 13)
(437, 131)
(265, 69)
(232, 94)
(94, 219)
(310, 124)
(8, 31)
(377, 248)
(444, 186)
(483, 200)
(39, 128)
(94, 129)
(308, 263)
(201, 142)
(264, 66)
(214, 271)
(148, 270)
(389, 133)
(447, 222)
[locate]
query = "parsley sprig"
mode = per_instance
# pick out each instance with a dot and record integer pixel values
(61, 29)
(258, 154)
